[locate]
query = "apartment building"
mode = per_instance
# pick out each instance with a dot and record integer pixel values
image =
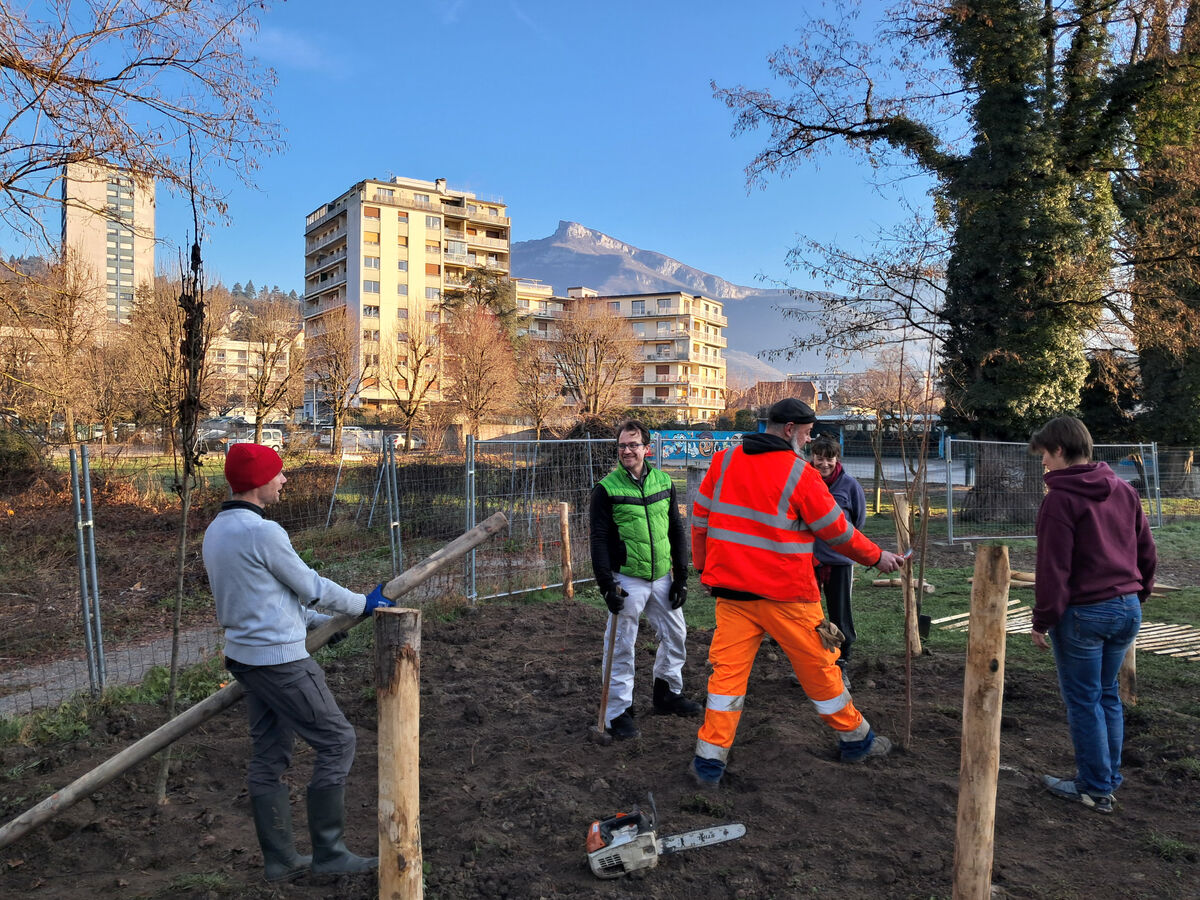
(539, 312)
(235, 367)
(387, 252)
(108, 225)
(682, 368)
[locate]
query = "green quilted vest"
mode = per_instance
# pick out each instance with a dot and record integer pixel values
(641, 515)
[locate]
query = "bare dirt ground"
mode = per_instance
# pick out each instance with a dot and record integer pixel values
(509, 785)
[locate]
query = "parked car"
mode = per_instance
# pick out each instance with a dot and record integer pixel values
(271, 437)
(418, 442)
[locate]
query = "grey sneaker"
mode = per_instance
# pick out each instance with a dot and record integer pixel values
(845, 677)
(1066, 789)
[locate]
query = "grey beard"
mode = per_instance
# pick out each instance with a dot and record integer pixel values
(797, 447)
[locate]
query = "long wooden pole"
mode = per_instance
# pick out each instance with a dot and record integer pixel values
(398, 691)
(983, 697)
(568, 571)
(912, 633)
(177, 727)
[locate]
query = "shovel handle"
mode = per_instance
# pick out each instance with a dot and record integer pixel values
(608, 656)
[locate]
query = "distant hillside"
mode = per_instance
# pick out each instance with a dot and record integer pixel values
(576, 255)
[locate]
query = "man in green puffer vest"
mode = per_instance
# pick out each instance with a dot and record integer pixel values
(639, 557)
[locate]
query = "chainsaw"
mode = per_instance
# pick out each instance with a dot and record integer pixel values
(627, 842)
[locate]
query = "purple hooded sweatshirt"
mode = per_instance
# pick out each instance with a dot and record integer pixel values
(1093, 542)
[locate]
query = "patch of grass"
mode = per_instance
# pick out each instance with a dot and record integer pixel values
(201, 881)
(1170, 848)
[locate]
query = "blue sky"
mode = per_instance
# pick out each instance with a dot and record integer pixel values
(597, 113)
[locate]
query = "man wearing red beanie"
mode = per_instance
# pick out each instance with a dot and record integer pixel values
(265, 597)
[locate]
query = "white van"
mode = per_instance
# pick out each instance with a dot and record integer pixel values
(271, 437)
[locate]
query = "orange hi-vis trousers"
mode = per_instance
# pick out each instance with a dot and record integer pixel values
(740, 628)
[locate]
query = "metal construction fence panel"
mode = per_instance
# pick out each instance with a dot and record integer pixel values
(994, 489)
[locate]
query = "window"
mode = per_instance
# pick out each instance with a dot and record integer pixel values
(370, 287)
(614, 307)
(433, 294)
(402, 313)
(664, 327)
(639, 307)
(432, 248)
(371, 334)
(370, 237)
(402, 290)
(370, 312)
(384, 194)
(664, 303)
(401, 241)
(421, 200)
(371, 212)
(402, 217)
(370, 359)
(433, 222)
(663, 349)
(431, 315)
(370, 262)
(402, 337)
(433, 269)
(402, 265)
(458, 248)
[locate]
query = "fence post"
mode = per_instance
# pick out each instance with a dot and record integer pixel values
(949, 489)
(97, 630)
(983, 697)
(469, 575)
(1157, 486)
(398, 692)
(568, 572)
(83, 572)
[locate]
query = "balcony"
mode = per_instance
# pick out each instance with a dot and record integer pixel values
(315, 219)
(313, 290)
(713, 340)
(312, 308)
(675, 353)
(660, 313)
(481, 216)
(490, 243)
(324, 240)
(712, 318)
(324, 262)
(454, 259)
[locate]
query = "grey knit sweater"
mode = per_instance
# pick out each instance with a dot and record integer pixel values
(263, 590)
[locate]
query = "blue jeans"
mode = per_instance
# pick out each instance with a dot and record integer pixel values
(1090, 643)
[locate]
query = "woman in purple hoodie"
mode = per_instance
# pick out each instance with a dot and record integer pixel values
(1095, 566)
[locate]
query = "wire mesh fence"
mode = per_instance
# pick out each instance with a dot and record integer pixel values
(369, 515)
(994, 489)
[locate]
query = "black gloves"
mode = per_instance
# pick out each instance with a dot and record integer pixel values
(678, 591)
(614, 598)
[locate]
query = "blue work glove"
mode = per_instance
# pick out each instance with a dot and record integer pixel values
(375, 599)
(678, 591)
(614, 599)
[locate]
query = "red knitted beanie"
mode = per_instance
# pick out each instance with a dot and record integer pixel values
(248, 466)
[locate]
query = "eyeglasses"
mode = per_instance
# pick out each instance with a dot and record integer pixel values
(628, 446)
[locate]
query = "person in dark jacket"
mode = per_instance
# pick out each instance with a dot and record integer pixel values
(835, 572)
(1095, 566)
(639, 557)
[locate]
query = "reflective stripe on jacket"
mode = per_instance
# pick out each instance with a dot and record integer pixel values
(641, 514)
(754, 521)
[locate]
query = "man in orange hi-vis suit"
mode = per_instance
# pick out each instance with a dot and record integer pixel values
(756, 515)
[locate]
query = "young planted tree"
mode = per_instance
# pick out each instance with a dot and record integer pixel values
(596, 354)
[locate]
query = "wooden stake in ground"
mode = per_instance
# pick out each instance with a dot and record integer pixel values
(173, 730)
(568, 573)
(912, 635)
(983, 697)
(1127, 677)
(398, 691)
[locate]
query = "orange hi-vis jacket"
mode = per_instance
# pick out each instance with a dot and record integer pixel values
(755, 518)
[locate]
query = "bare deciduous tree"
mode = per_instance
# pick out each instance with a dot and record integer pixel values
(275, 368)
(333, 368)
(149, 86)
(480, 367)
(596, 353)
(408, 370)
(540, 387)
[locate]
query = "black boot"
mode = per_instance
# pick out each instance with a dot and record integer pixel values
(273, 823)
(666, 702)
(623, 728)
(327, 825)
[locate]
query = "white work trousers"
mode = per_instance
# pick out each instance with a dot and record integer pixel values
(655, 599)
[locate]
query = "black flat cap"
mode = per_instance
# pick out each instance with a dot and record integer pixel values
(789, 409)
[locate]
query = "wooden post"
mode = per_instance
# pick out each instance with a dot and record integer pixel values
(568, 573)
(912, 634)
(983, 697)
(1127, 677)
(398, 694)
